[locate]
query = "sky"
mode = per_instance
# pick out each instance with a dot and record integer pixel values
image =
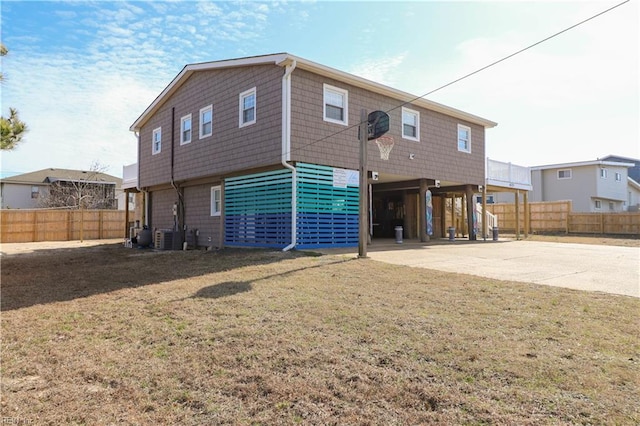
(81, 72)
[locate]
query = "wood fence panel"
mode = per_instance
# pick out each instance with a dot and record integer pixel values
(622, 223)
(549, 216)
(586, 223)
(17, 226)
(21, 226)
(556, 216)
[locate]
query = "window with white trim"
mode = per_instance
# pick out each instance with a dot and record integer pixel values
(156, 141)
(564, 174)
(611, 206)
(603, 173)
(464, 138)
(185, 129)
(206, 121)
(247, 107)
(618, 177)
(35, 192)
(216, 200)
(336, 105)
(598, 204)
(410, 124)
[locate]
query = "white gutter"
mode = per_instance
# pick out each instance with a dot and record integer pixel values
(286, 148)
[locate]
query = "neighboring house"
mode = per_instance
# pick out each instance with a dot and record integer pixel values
(633, 191)
(61, 187)
(592, 186)
(264, 151)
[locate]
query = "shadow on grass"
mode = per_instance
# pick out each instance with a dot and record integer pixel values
(218, 291)
(59, 275)
(230, 288)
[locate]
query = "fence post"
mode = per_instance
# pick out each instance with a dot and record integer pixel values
(602, 223)
(100, 223)
(35, 226)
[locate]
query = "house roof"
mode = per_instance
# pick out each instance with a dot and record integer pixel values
(581, 164)
(620, 158)
(46, 176)
(284, 59)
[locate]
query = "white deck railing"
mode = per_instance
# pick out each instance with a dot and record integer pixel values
(492, 220)
(508, 175)
(130, 176)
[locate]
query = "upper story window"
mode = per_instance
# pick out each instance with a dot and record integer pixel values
(603, 173)
(464, 138)
(156, 141)
(248, 107)
(185, 129)
(336, 105)
(410, 124)
(216, 201)
(564, 174)
(206, 121)
(618, 177)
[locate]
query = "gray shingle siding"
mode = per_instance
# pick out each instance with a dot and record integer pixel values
(198, 215)
(436, 154)
(230, 147)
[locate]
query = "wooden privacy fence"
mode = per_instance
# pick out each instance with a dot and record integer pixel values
(22, 226)
(556, 216)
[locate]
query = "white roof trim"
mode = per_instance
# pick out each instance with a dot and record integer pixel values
(581, 164)
(633, 183)
(283, 59)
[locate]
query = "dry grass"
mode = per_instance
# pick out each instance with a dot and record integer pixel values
(108, 335)
(609, 240)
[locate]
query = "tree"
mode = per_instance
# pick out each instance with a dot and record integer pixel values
(82, 190)
(12, 129)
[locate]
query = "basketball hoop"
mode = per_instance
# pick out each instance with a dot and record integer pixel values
(385, 144)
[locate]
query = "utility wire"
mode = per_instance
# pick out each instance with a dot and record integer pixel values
(472, 73)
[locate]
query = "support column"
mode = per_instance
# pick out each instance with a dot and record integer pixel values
(470, 208)
(453, 211)
(443, 215)
(463, 215)
(422, 211)
(484, 212)
(126, 213)
(527, 215)
(517, 197)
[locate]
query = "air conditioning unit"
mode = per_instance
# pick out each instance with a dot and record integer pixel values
(167, 239)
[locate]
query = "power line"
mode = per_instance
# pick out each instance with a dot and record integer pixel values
(471, 73)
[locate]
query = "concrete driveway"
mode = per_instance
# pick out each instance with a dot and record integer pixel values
(608, 269)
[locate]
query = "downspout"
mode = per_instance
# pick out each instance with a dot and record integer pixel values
(179, 221)
(145, 199)
(286, 149)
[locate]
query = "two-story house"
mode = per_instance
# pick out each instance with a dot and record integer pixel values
(264, 151)
(61, 188)
(592, 186)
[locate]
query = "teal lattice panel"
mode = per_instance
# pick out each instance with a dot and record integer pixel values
(327, 210)
(258, 209)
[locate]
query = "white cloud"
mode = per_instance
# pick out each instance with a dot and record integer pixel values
(381, 70)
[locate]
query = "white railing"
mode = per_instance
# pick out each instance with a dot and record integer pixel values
(492, 220)
(130, 176)
(508, 175)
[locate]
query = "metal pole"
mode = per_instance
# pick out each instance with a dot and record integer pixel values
(363, 228)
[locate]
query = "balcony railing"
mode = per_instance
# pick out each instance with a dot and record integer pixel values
(508, 175)
(130, 176)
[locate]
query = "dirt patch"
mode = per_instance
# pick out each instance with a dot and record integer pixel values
(104, 334)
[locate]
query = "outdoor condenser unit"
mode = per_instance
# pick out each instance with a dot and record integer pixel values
(167, 239)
